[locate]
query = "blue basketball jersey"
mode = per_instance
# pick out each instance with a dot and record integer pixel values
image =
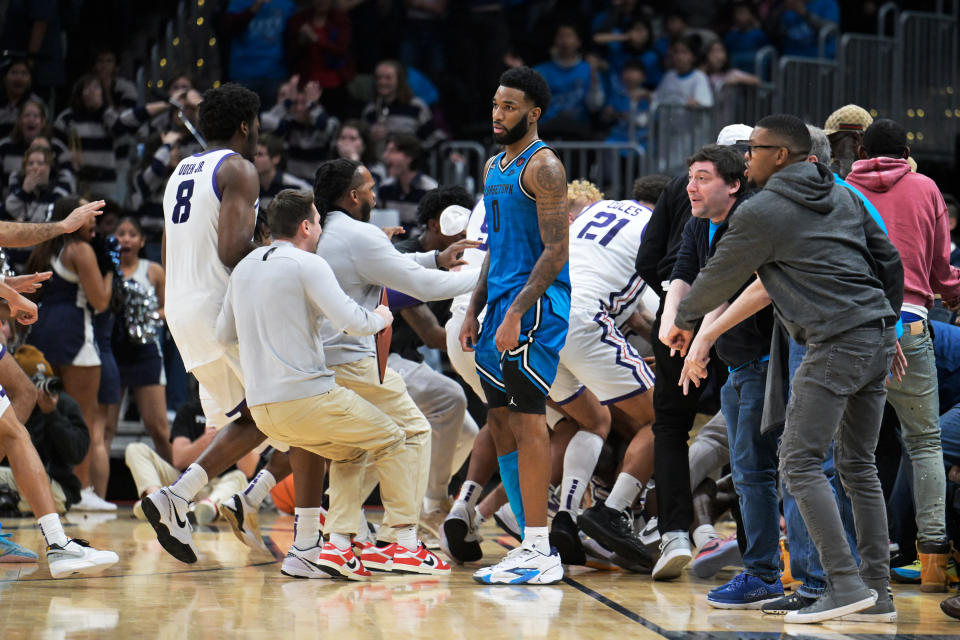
(514, 232)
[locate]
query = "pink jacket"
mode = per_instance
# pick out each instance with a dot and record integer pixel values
(916, 217)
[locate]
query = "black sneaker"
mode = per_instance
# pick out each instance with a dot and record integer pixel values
(565, 536)
(783, 606)
(614, 530)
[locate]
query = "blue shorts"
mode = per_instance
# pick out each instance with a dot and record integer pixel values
(529, 369)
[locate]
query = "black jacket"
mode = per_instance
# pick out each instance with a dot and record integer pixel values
(661, 238)
(62, 440)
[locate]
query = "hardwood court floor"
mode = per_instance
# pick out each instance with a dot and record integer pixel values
(234, 593)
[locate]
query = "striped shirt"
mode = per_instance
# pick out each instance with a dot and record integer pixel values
(11, 163)
(414, 117)
(308, 143)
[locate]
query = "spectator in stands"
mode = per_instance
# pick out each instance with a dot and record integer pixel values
(617, 17)
(395, 109)
(118, 92)
(32, 129)
(64, 329)
(633, 43)
(33, 26)
(189, 437)
(57, 430)
(269, 164)
(683, 84)
(88, 127)
(406, 184)
(627, 109)
(797, 25)
(575, 88)
(675, 27)
(318, 47)
(647, 189)
(15, 91)
(32, 199)
(353, 143)
(424, 35)
(256, 28)
(716, 64)
(745, 37)
(300, 119)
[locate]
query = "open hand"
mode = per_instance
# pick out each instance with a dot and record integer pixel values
(452, 256)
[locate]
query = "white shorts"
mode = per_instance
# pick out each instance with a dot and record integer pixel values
(553, 417)
(598, 357)
(4, 400)
(222, 395)
(463, 361)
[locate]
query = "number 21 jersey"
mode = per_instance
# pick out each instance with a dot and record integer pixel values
(196, 280)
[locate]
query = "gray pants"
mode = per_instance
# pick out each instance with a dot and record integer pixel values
(838, 394)
(709, 451)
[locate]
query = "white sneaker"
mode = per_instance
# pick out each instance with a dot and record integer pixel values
(302, 563)
(649, 533)
(204, 512)
(674, 555)
(244, 521)
(77, 556)
(90, 501)
(523, 566)
(167, 514)
(508, 522)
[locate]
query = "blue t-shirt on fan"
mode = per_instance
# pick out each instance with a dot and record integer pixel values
(258, 52)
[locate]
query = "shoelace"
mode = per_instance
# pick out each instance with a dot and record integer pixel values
(738, 580)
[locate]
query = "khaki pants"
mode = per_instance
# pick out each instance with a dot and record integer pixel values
(150, 470)
(344, 427)
(59, 498)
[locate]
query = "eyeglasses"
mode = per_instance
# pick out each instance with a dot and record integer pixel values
(751, 147)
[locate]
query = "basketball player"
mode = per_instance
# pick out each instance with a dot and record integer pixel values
(525, 285)
(210, 210)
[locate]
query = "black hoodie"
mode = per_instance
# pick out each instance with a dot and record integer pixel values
(826, 264)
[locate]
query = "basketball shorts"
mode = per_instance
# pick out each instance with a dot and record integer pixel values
(598, 357)
(463, 362)
(520, 378)
(222, 395)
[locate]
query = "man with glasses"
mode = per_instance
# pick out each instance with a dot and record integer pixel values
(835, 280)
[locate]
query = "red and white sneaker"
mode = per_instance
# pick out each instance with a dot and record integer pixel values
(422, 561)
(341, 563)
(378, 558)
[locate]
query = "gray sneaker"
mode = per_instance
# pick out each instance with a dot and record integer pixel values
(674, 555)
(834, 603)
(883, 611)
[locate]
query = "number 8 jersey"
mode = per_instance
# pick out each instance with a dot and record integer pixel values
(196, 279)
(604, 240)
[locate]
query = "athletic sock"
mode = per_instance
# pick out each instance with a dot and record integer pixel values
(52, 529)
(190, 482)
(537, 538)
(624, 493)
(306, 527)
(364, 535)
(470, 493)
(578, 463)
(407, 538)
(704, 534)
(259, 487)
(510, 477)
(340, 541)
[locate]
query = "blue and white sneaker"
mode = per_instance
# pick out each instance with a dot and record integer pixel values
(745, 592)
(10, 551)
(523, 566)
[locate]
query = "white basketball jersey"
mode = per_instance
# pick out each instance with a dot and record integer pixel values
(476, 230)
(604, 241)
(196, 280)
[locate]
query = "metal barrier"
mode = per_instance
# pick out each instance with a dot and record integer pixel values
(930, 81)
(805, 87)
(827, 40)
(676, 133)
(869, 74)
(612, 166)
(744, 103)
(459, 163)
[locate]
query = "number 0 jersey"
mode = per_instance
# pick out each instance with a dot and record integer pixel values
(512, 224)
(604, 240)
(196, 280)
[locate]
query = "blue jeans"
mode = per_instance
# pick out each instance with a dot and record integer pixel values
(804, 559)
(753, 460)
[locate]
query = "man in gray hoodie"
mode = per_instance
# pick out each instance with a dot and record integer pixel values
(835, 280)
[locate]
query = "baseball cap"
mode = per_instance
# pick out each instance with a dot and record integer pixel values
(32, 361)
(848, 118)
(453, 220)
(734, 133)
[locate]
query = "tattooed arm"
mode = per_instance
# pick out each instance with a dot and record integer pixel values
(546, 179)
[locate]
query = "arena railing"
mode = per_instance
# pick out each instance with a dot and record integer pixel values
(612, 166)
(805, 87)
(677, 131)
(869, 74)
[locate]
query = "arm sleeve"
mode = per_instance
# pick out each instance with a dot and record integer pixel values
(742, 249)
(944, 278)
(322, 289)
(15, 206)
(151, 178)
(382, 263)
(703, 93)
(67, 431)
(426, 259)
(886, 260)
(270, 120)
(687, 265)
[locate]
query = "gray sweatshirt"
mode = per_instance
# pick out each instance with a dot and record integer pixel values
(826, 264)
(276, 301)
(364, 261)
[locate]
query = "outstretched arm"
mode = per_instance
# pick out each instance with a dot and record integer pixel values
(27, 234)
